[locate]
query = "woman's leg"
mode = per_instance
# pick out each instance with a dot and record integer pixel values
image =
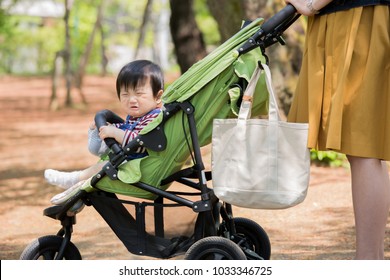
(371, 202)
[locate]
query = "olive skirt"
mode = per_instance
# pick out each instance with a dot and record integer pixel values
(343, 89)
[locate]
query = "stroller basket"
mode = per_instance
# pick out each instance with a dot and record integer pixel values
(210, 89)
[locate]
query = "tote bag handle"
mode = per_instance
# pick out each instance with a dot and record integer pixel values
(246, 104)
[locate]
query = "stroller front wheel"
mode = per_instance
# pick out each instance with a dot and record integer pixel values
(47, 248)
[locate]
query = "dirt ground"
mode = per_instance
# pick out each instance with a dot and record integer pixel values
(34, 138)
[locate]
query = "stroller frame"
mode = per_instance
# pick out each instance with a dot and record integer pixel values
(233, 238)
(208, 207)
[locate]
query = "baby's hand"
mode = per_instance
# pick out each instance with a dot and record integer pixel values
(110, 131)
(107, 131)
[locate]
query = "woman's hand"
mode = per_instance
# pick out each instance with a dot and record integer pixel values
(308, 7)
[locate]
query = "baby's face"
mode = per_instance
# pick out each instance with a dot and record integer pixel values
(139, 101)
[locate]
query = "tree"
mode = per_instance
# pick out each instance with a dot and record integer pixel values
(67, 54)
(186, 36)
(104, 59)
(74, 77)
(85, 57)
(57, 65)
(142, 30)
(233, 13)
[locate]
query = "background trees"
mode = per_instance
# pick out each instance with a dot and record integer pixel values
(73, 38)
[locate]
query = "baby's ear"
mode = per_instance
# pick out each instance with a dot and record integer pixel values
(158, 97)
(159, 94)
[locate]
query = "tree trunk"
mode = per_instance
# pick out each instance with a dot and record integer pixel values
(57, 71)
(230, 14)
(104, 59)
(142, 30)
(186, 36)
(85, 57)
(161, 42)
(67, 54)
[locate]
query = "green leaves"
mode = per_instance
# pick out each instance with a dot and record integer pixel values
(328, 158)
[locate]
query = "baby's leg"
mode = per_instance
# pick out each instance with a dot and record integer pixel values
(91, 171)
(62, 179)
(67, 179)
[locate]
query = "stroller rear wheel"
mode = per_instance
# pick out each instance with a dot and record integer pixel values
(214, 248)
(250, 235)
(47, 248)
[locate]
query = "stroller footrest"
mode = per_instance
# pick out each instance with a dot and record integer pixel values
(59, 212)
(53, 211)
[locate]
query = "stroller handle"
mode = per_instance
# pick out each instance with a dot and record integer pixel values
(279, 18)
(271, 29)
(101, 119)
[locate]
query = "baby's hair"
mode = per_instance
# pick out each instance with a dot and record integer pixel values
(137, 73)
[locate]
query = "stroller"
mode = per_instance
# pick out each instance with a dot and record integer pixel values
(212, 88)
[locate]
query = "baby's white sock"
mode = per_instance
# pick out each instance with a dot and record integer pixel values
(62, 179)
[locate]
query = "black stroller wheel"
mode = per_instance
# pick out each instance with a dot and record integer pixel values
(214, 248)
(252, 236)
(47, 247)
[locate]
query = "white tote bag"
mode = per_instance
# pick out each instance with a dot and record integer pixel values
(260, 163)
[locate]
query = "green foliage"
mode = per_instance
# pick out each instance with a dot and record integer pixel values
(82, 19)
(123, 20)
(34, 40)
(22, 37)
(7, 32)
(328, 158)
(206, 23)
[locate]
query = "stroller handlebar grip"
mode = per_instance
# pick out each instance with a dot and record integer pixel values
(102, 118)
(282, 18)
(277, 19)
